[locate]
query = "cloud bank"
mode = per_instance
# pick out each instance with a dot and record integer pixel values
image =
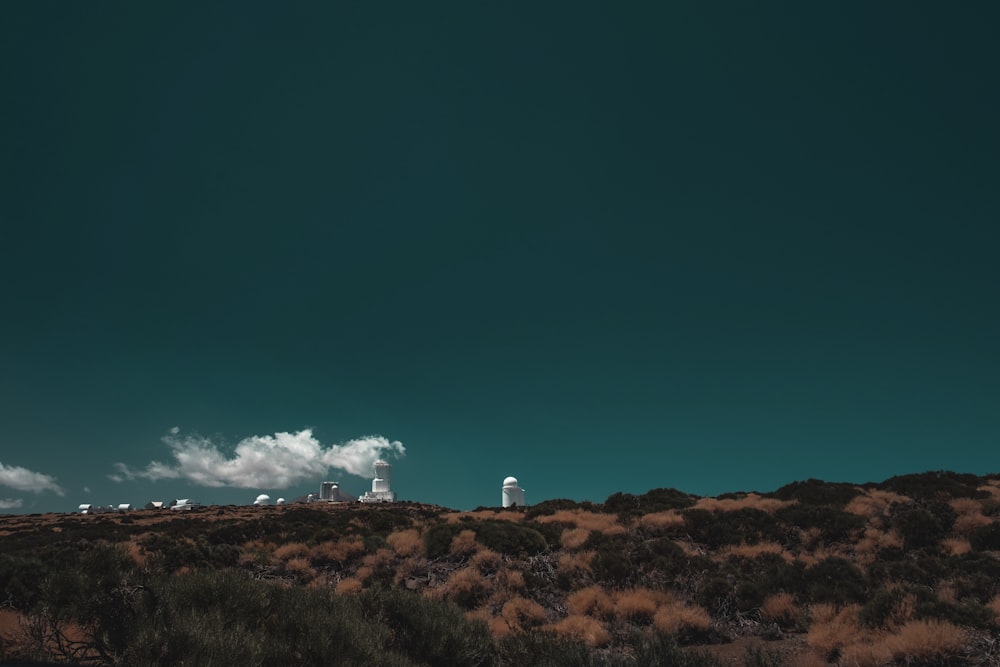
(262, 461)
(10, 503)
(23, 479)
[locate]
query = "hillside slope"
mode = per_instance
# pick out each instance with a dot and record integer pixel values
(906, 571)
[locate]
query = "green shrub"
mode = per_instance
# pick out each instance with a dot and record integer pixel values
(548, 507)
(661, 555)
(430, 632)
(925, 524)
(627, 505)
(939, 485)
(836, 525)
(817, 492)
(835, 580)
(718, 529)
(878, 610)
(504, 537)
(986, 538)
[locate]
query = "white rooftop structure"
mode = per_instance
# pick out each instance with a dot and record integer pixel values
(380, 493)
(511, 494)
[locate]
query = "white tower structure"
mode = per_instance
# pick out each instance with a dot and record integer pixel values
(511, 494)
(381, 491)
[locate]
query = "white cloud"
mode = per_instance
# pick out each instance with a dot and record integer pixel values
(10, 503)
(23, 479)
(262, 461)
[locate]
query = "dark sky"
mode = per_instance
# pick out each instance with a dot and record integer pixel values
(711, 246)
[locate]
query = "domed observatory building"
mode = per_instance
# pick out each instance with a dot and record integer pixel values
(511, 495)
(380, 493)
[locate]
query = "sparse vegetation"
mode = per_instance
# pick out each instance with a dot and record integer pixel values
(902, 572)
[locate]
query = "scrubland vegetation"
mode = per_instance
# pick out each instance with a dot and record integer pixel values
(905, 572)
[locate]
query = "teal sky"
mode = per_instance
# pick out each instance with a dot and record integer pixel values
(711, 246)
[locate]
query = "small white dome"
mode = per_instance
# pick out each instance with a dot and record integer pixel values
(510, 481)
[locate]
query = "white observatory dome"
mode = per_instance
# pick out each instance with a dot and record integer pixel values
(511, 494)
(262, 499)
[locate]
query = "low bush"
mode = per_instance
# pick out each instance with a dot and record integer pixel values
(835, 525)
(835, 580)
(747, 525)
(817, 492)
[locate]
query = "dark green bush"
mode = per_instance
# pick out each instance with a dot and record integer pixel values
(878, 610)
(835, 580)
(924, 524)
(938, 485)
(920, 566)
(718, 529)
(612, 567)
(817, 492)
(661, 555)
(430, 632)
(986, 538)
(504, 537)
(836, 525)
(627, 505)
(548, 507)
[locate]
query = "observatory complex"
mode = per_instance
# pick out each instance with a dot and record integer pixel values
(331, 492)
(511, 495)
(380, 493)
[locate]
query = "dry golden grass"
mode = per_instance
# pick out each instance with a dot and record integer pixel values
(966, 523)
(574, 538)
(480, 515)
(462, 584)
(749, 501)
(337, 552)
(780, 607)
(508, 581)
(993, 488)
(348, 586)
(866, 653)
(956, 546)
(291, 550)
(874, 504)
(874, 540)
(637, 604)
(136, 553)
(807, 659)
(521, 613)
(675, 617)
(602, 523)
(584, 629)
(406, 542)
(832, 628)
(575, 564)
(590, 601)
(464, 544)
(753, 551)
(486, 561)
(662, 520)
(926, 640)
(301, 568)
(690, 548)
(810, 558)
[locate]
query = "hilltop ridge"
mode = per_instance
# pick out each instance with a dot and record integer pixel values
(904, 570)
